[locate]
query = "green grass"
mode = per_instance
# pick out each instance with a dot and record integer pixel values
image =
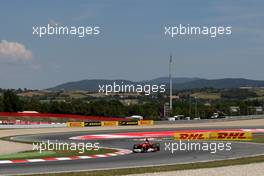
(207, 95)
(257, 139)
(63, 153)
(37, 154)
(26, 155)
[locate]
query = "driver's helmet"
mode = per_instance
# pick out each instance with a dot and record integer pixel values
(146, 140)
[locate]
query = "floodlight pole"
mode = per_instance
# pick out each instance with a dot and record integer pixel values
(170, 83)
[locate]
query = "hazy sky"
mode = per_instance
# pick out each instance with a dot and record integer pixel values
(131, 44)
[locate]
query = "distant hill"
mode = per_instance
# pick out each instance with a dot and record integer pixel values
(165, 80)
(178, 83)
(89, 85)
(220, 83)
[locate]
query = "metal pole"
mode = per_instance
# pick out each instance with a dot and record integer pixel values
(196, 112)
(170, 82)
(190, 106)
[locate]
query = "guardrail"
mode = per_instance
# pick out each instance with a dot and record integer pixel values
(14, 126)
(22, 122)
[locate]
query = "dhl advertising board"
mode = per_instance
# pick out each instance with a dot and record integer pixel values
(213, 136)
(231, 136)
(192, 136)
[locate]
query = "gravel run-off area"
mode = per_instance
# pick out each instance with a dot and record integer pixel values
(255, 169)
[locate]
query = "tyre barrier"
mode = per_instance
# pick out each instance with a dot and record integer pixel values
(126, 123)
(110, 123)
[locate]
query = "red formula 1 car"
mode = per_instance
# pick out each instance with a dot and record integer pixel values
(146, 147)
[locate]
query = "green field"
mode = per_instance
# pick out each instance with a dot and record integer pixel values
(207, 95)
(37, 154)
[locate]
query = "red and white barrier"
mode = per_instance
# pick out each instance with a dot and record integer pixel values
(21, 122)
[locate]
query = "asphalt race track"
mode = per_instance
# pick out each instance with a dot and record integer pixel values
(130, 160)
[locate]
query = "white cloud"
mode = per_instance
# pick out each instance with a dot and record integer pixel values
(14, 51)
(54, 23)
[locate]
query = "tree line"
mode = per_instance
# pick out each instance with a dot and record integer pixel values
(152, 109)
(10, 102)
